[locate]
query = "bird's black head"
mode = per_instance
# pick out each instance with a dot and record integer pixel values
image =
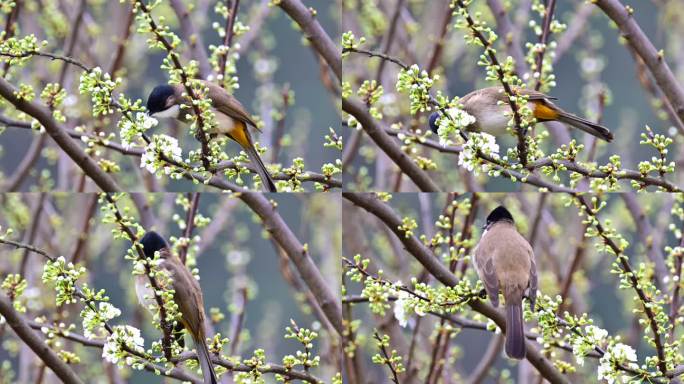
(152, 242)
(500, 213)
(158, 100)
(433, 121)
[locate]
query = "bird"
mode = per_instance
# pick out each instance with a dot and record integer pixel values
(504, 261)
(187, 295)
(492, 112)
(231, 117)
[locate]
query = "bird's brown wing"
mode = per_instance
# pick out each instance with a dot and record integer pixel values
(497, 94)
(535, 95)
(487, 272)
(533, 282)
(226, 103)
(188, 295)
(482, 93)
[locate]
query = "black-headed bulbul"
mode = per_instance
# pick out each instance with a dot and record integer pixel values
(232, 119)
(492, 112)
(504, 261)
(187, 295)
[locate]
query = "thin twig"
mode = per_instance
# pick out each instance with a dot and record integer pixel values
(386, 355)
(189, 225)
(228, 39)
(646, 302)
(544, 39)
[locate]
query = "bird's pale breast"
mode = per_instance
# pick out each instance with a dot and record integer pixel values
(225, 123)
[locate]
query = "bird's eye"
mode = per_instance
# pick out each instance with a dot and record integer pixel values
(169, 102)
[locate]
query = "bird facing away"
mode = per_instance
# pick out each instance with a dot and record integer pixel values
(187, 295)
(231, 117)
(492, 112)
(504, 261)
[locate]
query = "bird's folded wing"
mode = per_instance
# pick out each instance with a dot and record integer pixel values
(226, 103)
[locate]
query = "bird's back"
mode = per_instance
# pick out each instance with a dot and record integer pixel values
(511, 256)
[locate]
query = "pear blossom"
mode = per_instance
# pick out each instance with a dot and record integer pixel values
(161, 145)
(122, 335)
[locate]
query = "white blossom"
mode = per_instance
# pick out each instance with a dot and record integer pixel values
(400, 308)
(457, 118)
(595, 334)
(616, 354)
(483, 142)
(131, 131)
(122, 335)
(161, 145)
(93, 320)
(582, 345)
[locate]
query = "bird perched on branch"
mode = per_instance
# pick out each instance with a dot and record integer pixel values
(492, 112)
(187, 295)
(231, 117)
(504, 261)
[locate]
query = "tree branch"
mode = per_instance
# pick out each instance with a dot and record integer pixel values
(543, 39)
(315, 33)
(385, 142)
(59, 134)
(193, 37)
(298, 253)
(654, 60)
(228, 40)
(189, 224)
(20, 326)
(504, 28)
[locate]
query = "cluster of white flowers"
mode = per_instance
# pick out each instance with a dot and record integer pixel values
(483, 142)
(447, 126)
(161, 145)
(131, 131)
(617, 354)
(94, 321)
(582, 345)
(122, 335)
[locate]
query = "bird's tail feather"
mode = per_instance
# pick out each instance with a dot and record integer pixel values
(266, 178)
(205, 362)
(515, 331)
(585, 125)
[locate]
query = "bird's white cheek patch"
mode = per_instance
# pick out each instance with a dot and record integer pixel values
(170, 113)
